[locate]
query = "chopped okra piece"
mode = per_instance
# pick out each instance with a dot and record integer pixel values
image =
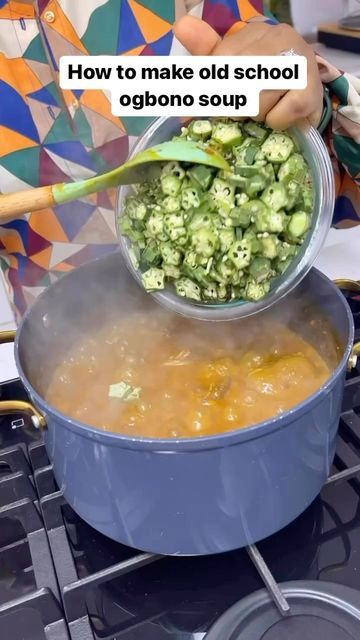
(228, 134)
(207, 204)
(135, 209)
(198, 274)
(251, 154)
(210, 292)
(200, 129)
(281, 267)
(246, 171)
(266, 173)
(214, 275)
(253, 207)
(277, 147)
(155, 224)
(269, 245)
(255, 184)
(208, 265)
(271, 221)
(204, 261)
(151, 254)
(241, 198)
(139, 225)
(260, 269)
(124, 391)
(125, 225)
(200, 220)
(223, 194)
(173, 220)
(153, 279)
(227, 238)
(308, 180)
(255, 291)
(240, 253)
(247, 151)
(255, 130)
(186, 288)
(179, 235)
(298, 225)
(171, 204)
(205, 242)
(170, 184)
(260, 157)
(128, 230)
(170, 254)
(134, 257)
(286, 251)
(202, 176)
(222, 292)
(173, 168)
(269, 173)
(251, 235)
(275, 196)
(292, 167)
(233, 179)
(171, 271)
(241, 216)
(139, 239)
(306, 199)
(190, 259)
(236, 292)
(293, 188)
(226, 271)
(190, 198)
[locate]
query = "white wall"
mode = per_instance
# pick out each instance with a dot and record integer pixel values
(308, 14)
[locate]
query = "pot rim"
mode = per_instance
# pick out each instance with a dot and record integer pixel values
(216, 441)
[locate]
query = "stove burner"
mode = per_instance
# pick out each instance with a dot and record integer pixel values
(326, 609)
(303, 628)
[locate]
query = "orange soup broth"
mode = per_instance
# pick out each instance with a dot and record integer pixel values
(196, 379)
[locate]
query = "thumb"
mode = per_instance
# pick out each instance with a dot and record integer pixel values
(196, 35)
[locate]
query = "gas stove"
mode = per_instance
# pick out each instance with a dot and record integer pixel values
(62, 580)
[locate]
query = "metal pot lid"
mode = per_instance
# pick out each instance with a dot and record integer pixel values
(317, 609)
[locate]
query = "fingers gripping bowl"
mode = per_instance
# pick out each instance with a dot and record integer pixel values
(275, 268)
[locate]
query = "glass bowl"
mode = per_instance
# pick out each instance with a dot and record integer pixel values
(313, 148)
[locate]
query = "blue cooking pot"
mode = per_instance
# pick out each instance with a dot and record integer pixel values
(193, 496)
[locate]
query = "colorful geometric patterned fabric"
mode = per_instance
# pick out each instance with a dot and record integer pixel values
(49, 135)
(344, 141)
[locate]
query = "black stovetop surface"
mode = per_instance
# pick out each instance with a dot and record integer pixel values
(61, 580)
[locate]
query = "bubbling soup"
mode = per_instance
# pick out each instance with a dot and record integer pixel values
(145, 378)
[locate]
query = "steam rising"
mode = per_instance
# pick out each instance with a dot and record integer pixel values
(102, 296)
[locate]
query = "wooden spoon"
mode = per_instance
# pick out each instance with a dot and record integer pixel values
(144, 167)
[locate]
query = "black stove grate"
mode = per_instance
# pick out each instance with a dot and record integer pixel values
(29, 594)
(61, 580)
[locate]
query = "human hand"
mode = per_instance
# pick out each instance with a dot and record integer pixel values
(278, 109)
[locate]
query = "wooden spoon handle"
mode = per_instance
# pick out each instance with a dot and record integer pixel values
(20, 202)
(15, 204)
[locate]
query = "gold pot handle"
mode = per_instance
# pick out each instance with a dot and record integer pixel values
(354, 286)
(20, 406)
(7, 336)
(348, 285)
(355, 353)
